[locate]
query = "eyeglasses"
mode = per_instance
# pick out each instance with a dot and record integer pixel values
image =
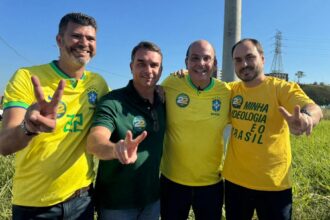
(195, 59)
(154, 117)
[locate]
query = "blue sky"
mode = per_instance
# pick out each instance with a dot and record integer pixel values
(28, 30)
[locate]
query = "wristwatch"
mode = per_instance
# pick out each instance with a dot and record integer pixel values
(25, 130)
(305, 112)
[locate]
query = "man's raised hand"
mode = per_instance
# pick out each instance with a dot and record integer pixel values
(298, 122)
(41, 116)
(126, 150)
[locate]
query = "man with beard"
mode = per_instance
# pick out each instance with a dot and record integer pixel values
(197, 108)
(257, 167)
(46, 124)
(133, 119)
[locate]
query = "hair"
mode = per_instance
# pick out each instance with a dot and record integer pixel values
(148, 46)
(77, 18)
(255, 42)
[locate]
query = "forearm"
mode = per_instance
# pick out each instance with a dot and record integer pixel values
(12, 140)
(100, 146)
(12, 136)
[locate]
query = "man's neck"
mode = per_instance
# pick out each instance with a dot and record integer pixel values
(201, 85)
(72, 70)
(146, 93)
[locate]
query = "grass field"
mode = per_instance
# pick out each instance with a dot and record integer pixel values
(311, 176)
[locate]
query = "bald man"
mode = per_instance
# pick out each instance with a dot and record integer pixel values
(197, 108)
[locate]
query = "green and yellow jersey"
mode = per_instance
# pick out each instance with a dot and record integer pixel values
(193, 145)
(54, 165)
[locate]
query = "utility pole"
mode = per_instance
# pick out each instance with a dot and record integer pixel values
(231, 35)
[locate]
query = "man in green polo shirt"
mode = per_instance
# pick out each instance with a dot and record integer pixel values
(133, 119)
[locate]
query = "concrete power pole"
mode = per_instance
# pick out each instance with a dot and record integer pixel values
(231, 35)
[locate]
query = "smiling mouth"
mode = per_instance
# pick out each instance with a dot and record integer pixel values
(81, 51)
(202, 72)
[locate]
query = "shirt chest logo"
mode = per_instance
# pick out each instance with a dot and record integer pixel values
(61, 108)
(92, 96)
(216, 105)
(237, 101)
(182, 100)
(139, 124)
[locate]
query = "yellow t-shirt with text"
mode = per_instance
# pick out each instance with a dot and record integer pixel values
(259, 151)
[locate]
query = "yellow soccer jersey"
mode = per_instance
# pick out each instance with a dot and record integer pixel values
(193, 145)
(56, 164)
(259, 152)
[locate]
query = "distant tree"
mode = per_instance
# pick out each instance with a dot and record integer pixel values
(319, 93)
(299, 75)
(315, 83)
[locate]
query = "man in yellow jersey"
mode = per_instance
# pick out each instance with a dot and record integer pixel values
(197, 110)
(46, 124)
(257, 167)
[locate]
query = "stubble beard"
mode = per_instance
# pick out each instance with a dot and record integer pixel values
(256, 72)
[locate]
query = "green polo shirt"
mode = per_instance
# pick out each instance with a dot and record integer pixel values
(136, 185)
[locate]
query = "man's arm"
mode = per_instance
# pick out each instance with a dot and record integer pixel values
(99, 144)
(12, 136)
(39, 117)
(302, 120)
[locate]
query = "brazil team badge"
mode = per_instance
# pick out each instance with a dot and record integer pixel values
(216, 105)
(92, 96)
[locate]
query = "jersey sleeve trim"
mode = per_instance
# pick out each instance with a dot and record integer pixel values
(15, 104)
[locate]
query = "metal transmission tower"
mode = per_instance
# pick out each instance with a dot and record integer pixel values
(231, 35)
(277, 66)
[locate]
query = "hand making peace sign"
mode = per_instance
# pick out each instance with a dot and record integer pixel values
(126, 150)
(298, 122)
(41, 116)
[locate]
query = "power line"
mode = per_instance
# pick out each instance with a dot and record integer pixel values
(30, 62)
(14, 50)
(106, 71)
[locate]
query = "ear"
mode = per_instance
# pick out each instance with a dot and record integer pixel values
(131, 67)
(161, 68)
(59, 40)
(186, 62)
(215, 65)
(263, 59)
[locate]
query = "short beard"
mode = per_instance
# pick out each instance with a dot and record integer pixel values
(76, 60)
(254, 76)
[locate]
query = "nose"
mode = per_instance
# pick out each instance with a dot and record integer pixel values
(148, 69)
(244, 63)
(83, 41)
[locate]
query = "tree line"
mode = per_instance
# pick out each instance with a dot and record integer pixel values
(319, 93)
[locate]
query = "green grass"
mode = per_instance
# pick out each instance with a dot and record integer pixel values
(6, 173)
(311, 176)
(326, 113)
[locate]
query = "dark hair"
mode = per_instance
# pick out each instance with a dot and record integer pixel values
(148, 46)
(77, 18)
(255, 42)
